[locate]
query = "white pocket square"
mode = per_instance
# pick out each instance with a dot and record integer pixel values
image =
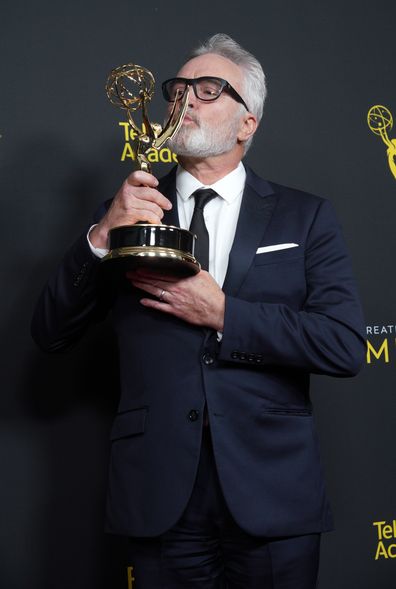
(274, 248)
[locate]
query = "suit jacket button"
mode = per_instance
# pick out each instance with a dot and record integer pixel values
(235, 355)
(193, 415)
(207, 359)
(242, 355)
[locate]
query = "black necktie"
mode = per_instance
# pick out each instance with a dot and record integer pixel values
(201, 252)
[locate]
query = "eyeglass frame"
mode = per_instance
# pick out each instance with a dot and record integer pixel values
(194, 81)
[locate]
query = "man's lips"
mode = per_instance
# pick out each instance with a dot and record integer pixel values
(189, 120)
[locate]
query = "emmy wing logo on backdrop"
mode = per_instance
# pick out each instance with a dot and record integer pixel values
(380, 121)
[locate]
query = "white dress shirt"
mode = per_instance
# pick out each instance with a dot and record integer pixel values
(220, 214)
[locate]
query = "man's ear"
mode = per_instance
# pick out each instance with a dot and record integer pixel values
(248, 127)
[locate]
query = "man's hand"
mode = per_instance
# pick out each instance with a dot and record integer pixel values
(197, 299)
(137, 200)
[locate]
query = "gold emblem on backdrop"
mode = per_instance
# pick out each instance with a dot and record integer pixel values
(380, 122)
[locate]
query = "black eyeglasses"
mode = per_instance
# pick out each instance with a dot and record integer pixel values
(206, 88)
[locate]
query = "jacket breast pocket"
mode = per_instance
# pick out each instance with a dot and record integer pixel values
(278, 257)
(129, 423)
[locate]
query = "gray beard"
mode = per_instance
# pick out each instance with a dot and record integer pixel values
(204, 141)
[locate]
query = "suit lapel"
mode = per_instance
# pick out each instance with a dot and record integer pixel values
(257, 206)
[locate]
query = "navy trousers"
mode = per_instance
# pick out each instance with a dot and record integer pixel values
(206, 549)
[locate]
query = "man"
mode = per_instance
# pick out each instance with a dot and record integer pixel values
(214, 471)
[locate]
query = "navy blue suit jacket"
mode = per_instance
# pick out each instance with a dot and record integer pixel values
(289, 313)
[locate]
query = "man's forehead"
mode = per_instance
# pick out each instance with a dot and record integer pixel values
(211, 64)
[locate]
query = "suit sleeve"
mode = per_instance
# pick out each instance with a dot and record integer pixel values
(70, 301)
(325, 335)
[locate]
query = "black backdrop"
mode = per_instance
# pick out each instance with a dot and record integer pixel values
(327, 63)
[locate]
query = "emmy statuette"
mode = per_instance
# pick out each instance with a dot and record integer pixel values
(157, 247)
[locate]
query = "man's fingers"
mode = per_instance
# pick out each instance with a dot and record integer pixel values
(158, 305)
(150, 288)
(145, 215)
(147, 211)
(140, 178)
(162, 297)
(134, 194)
(156, 288)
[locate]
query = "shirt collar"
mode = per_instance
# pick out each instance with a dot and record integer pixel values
(229, 187)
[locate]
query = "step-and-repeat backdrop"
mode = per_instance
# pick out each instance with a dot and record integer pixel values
(327, 129)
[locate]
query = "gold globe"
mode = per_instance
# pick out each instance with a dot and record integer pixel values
(130, 85)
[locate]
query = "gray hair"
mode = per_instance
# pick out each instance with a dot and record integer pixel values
(255, 89)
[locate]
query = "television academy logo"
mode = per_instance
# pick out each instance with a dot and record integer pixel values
(163, 155)
(386, 532)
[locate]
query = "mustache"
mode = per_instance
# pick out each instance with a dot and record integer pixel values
(190, 113)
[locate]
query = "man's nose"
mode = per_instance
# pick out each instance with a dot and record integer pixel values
(192, 99)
